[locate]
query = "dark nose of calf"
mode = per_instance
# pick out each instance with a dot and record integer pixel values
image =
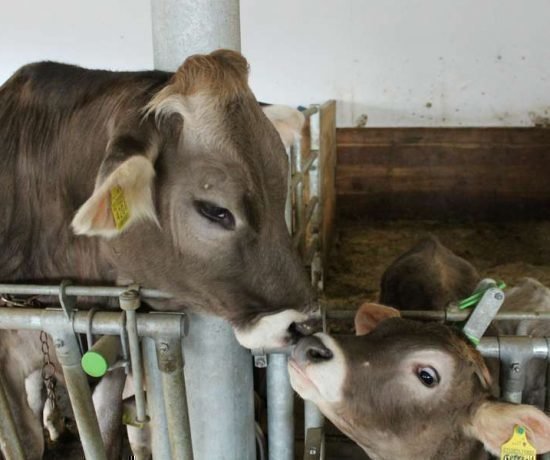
(311, 349)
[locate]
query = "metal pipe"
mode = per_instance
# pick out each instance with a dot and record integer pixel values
(313, 418)
(443, 315)
(129, 302)
(104, 323)
(311, 110)
(155, 402)
(185, 27)
(10, 444)
(299, 175)
(280, 409)
(78, 291)
(220, 391)
(298, 188)
(170, 364)
(68, 354)
(312, 204)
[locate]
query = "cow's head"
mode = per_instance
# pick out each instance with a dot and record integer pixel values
(405, 389)
(191, 198)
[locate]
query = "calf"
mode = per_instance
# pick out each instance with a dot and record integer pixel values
(427, 277)
(406, 390)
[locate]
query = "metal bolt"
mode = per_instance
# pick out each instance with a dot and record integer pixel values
(516, 368)
(313, 451)
(58, 343)
(499, 296)
(260, 361)
(164, 347)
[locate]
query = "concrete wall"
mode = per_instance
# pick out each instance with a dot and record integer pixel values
(400, 62)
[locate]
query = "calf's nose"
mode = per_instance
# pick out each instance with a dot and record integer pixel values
(311, 349)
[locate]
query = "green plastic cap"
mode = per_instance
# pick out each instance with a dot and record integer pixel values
(94, 364)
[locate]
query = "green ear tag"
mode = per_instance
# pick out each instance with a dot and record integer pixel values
(119, 207)
(518, 447)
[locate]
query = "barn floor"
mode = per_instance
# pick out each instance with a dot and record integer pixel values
(363, 250)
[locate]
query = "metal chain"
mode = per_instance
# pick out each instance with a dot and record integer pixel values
(48, 370)
(48, 367)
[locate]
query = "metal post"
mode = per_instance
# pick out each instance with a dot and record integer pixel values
(313, 418)
(219, 370)
(185, 27)
(129, 302)
(170, 364)
(220, 390)
(68, 353)
(280, 409)
(155, 402)
(10, 444)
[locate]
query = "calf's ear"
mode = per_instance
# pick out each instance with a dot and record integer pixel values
(493, 424)
(369, 315)
(122, 196)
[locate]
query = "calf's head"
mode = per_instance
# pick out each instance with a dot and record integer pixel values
(403, 389)
(203, 174)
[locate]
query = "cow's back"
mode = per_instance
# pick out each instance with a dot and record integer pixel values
(55, 121)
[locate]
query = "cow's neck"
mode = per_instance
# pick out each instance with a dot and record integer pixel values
(435, 443)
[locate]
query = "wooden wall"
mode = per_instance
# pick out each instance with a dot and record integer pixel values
(443, 173)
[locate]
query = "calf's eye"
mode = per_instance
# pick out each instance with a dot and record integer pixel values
(428, 376)
(216, 214)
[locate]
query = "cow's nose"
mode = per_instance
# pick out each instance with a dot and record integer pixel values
(311, 350)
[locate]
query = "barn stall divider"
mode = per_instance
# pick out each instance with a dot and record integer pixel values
(153, 344)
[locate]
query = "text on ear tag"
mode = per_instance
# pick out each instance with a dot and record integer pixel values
(518, 447)
(119, 207)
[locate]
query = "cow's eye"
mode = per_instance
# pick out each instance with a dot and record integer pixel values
(428, 376)
(216, 214)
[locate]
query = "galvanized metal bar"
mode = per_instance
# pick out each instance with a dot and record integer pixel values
(104, 323)
(68, 354)
(547, 403)
(311, 110)
(442, 315)
(299, 234)
(313, 418)
(311, 249)
(129, 302)
(298, 177)
(280, 409)
(10, 444)
(170, 364)
(220, 391)
(155, 402)
(78, 291)
(313, 155)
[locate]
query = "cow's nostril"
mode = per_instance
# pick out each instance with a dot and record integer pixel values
(319, 354)
(311, 349)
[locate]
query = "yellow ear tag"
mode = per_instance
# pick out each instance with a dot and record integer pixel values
(518, 447)
(119, 207)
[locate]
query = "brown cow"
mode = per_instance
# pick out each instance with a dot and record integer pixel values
(427, 277)
(173, 181)
(404, 389)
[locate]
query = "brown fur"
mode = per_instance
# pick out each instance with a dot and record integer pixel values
(428, 276)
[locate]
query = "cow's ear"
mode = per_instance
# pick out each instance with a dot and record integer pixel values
(493, 424)
(120, 198)
(369, 315)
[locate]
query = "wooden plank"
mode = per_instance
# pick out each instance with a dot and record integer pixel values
(327, 151)
(482, 173)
